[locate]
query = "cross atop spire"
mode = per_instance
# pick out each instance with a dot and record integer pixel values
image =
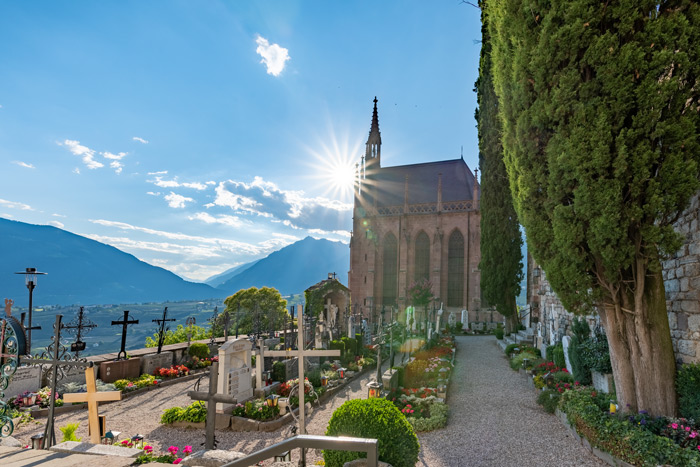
(374, 141)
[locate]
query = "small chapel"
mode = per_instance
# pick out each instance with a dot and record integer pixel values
(413, 222)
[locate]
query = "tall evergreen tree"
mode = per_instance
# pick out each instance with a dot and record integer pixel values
(600, 105)
(501, 242)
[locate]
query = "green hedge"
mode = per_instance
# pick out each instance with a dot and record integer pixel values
(198, 350)
(373, 418)
(688, 388)
(558, 355)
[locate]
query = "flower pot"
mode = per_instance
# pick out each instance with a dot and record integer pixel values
(282, 403)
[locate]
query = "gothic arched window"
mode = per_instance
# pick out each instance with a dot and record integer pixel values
(455, 269)
(389, 270)
(422, 258)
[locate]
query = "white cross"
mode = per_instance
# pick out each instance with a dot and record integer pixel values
(300, 354)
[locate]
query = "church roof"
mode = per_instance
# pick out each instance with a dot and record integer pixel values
(388, 183)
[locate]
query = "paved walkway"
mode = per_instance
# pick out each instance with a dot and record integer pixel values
(495, 419)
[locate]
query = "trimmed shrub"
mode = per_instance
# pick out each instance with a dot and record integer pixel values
(688, 388)
(373, 418)
(549, 400)
(198, 350)
(499, 333)
(337, 345)
(558, 354)
(549, 353)
(581, 333)
(279, 372)
(510, 347)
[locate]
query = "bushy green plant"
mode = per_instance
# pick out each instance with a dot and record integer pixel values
(517, 362)
(350, 346)
(69, 432)
(549, 400)
(688, 389)
(314, 378)
(458, 326)
(178, 335)
(437, 419)
(558, 354)
(199, 350)
(510, 348)
(499, 333)
(171, 415)
(579, 367)
(258, 409)
(596, 353)
(279, 372)
(196, 412)
(549, 353)
(373, 418)
(337, 345)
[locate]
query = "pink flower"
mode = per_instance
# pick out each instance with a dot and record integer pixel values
(148, 449)
(178, 460)
(187, 450)
(687, 428)
(693, 434)
(674, 426)
(173, 450)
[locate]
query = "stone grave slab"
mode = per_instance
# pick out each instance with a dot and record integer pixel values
(26, 378)
(491, 326)
(77, 447)
(150, 363)
(566, 342)
(390, 378)
(602, 381)
(120, 369)
(213, 458)
(235, 373)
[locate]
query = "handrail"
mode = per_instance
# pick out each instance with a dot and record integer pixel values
(339, 443)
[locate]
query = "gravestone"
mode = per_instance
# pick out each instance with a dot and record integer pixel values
(566, 342)
(234, 372)
(465, 317)
(452, 319)
(149, 363)
(26, 378)
(602, 381)
(491, 326)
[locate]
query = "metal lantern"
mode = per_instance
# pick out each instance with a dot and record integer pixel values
(324, 380)
(38, 441)
(374, 389)
(526, 362)
(442, 391)
(138, 441)
(29, 399)
(341, 372)
(272, 400)
(285, 456)
(613, 407)
(111, 437)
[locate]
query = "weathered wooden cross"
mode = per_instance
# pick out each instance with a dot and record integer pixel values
(300, 353)
(56, 359)
(211, 398)
(79, 326)
(161, 332)
(124, 323)
(92, 397)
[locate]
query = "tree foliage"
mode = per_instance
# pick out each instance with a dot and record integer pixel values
(179, 335)
(254, 310)
(599, 104)
(501, 241)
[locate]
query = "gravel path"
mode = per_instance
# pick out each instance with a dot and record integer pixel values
(494, 419)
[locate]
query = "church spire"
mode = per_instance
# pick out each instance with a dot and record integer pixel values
(374, 141)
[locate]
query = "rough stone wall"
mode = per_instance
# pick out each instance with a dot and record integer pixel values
(682, 282)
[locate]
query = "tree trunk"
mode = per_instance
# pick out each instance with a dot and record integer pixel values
(641, 351)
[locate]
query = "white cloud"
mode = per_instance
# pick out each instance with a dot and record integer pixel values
(76, 171)
(85, 152)
(177, 201)
(58, 215)
(140, 140)
(232, 221)
(114, 157)
(162, 172)
(15, 205)
(153, 193)
(24, 164)
(273, 56)
(55, 224)
(175, 184)
(117, 166)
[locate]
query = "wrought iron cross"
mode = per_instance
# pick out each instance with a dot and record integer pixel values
(80, 326)
(56, 358)
(124, 323)
(161, 332)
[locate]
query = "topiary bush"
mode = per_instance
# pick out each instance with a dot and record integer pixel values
(279, 372)
(499, 333)
(198, 350)
(373, 418)
(581, 333)
(688, 389)
(558, 355)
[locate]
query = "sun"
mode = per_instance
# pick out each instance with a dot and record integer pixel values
(334, 166)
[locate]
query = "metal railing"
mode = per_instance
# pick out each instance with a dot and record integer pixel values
(338, 443)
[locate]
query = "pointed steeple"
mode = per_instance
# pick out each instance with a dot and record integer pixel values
(374, 141)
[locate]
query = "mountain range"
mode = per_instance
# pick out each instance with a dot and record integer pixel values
(82, 271)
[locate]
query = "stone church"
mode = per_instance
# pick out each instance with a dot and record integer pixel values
(412, 222)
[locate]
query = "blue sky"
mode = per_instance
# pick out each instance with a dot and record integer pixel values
(198, 135)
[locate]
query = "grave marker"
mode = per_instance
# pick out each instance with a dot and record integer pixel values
(124, 323)
(92, 397)
(213, 399)
(79, 326)
(234, 377)
(161, 332)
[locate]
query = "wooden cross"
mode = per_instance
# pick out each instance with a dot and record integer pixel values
(92, 397)
(161, 333)
(124, 323)
(300, 354)
(54, 357)
(211, 398)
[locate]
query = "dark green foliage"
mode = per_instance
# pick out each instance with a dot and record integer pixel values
(337, 345)
(400, 378)
(501, 241)
(549, 353)
(373, 418)
(198, 350)
(581, 332)
(253, 307)
(558, 355)
(279, 372)
(350, 346)
(499, 333)
(688, 388)
(510, 348)
(549, 400)
(596, 354)
(314, 378)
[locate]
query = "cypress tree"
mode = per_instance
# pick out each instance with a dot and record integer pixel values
(600, 105)
(501, 258)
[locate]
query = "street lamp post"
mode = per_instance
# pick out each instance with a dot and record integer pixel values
(30, 279)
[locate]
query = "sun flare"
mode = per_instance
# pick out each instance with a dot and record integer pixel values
(334, 167)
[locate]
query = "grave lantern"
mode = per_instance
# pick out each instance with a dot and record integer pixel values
(111, 437)
(526, 362)
(285, 456)
(29, 399)
(272, 400)
(324, 380)
(613, 407)
(548, 379)
(138, 441)
(442, 391)
(374, 389)
(38, 441)
(341, 373)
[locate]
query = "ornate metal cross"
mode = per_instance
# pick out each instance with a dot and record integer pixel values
(57, 359)
(124, 323)
(12, 345)
(80, 326)
(161, 332)
(211, 398)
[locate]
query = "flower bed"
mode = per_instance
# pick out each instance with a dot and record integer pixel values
(132, 384)
(422, 410)
(173, 372)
